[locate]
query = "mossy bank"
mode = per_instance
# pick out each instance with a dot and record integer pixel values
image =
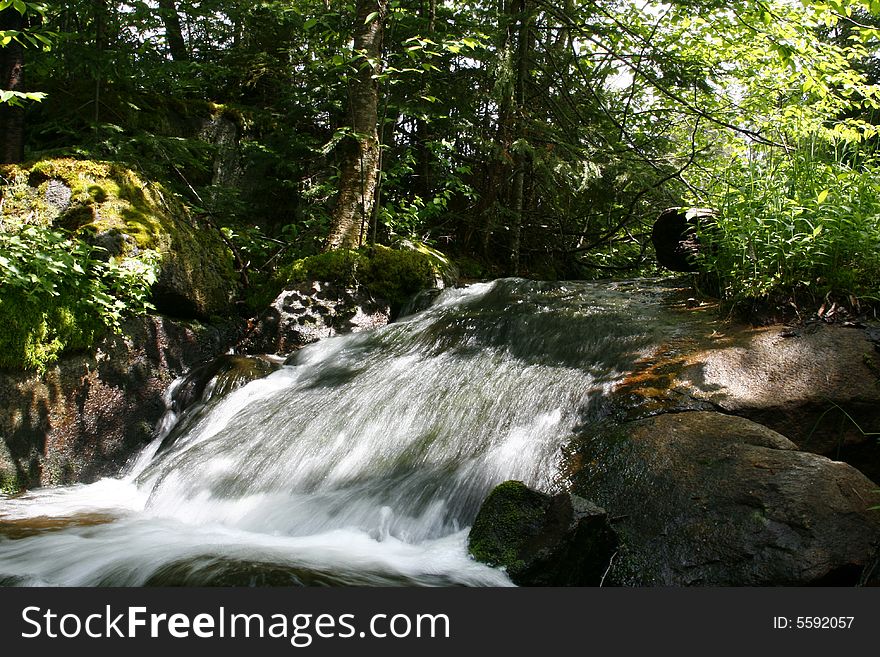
(84, 243)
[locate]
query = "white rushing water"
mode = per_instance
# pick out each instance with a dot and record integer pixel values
(362, 461)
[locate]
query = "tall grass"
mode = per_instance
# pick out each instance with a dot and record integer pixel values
(798, 224)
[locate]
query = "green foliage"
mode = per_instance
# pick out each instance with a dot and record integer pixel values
(611, 112)
(795, 223)
(9, 484)
(58, 296)
(28, 37)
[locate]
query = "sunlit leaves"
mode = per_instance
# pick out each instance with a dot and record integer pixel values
(16, 98)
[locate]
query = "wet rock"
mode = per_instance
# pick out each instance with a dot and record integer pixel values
(218, 377)
(87, 415)
(310, 311)
(702, 498)
(542, 540)
(211, 382)
(820, 387)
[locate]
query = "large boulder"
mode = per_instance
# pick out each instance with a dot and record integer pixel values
(114, 208)
(703, 498)
(88, 414)
(306, 312)
(817, 385)
(675, 236)
(542, 540)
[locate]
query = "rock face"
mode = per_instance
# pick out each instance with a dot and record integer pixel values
(542, 540)
(819, 386)
(114, 208)
(310, 311)
(89, 414)
(702, 498)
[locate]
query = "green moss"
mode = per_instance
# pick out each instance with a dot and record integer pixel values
(391, 274)
(33, 333)
(9, 483)
(397, 275)
(334, 266)
(195, 263)
(105, 195)
(503, 523)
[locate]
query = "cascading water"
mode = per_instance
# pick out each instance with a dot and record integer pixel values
(362, 461)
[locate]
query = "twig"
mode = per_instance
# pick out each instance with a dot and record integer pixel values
(607, 570)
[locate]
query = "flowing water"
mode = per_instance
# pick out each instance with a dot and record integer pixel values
(363, 460)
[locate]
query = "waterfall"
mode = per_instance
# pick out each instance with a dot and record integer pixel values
(363, 460)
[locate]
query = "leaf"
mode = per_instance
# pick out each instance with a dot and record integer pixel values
(820, 199)
(371, 17)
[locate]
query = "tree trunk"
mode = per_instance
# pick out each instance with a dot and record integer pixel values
(100, 8)
(359, 170)
(173, 31)
(11, 79)
(520, 158)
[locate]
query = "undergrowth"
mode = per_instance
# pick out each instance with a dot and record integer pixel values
(59, 295)
(800, 227)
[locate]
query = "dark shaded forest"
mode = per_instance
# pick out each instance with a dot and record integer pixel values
(513, 137)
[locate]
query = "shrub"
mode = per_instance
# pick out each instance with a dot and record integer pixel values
(57, 296)
(795, 224)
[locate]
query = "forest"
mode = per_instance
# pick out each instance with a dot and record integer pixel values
(513, 138)
(440, 293)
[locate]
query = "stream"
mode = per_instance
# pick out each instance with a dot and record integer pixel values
(362, 461)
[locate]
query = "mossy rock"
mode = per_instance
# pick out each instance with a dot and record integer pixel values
(511, 512)
(112, 206)
(541, 539)
(394, 275)
(33, 336)
(10, 483)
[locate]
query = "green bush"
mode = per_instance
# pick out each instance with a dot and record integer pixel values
(57, 296)
(797, 224)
